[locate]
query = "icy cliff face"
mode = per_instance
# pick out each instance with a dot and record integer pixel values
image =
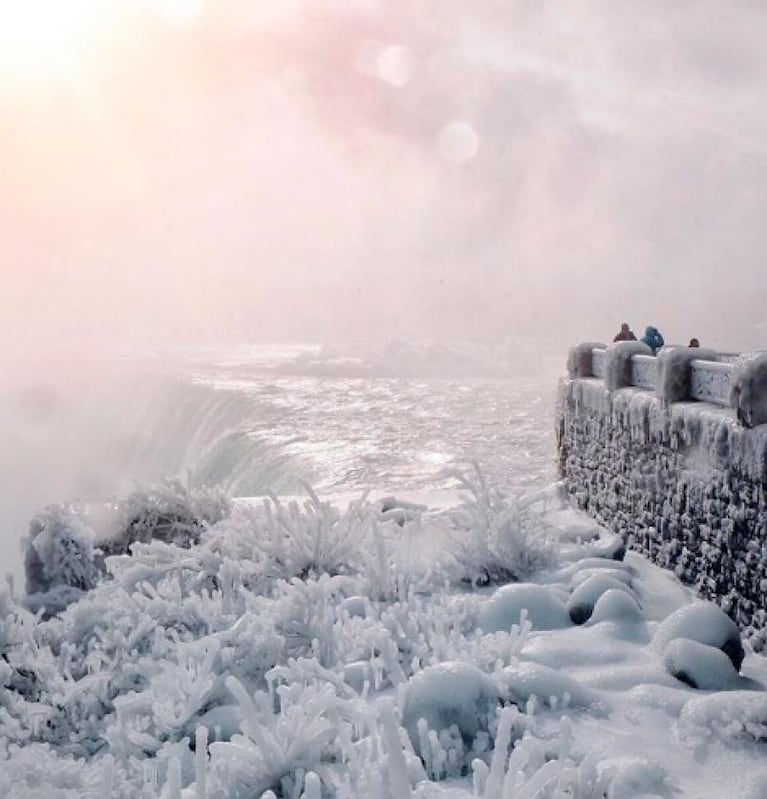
(685, 484)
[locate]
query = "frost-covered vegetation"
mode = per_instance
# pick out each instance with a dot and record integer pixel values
(294, 650)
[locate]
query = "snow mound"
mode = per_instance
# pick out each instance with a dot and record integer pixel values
(748, 389)
(659, 697)
(614, 571)
(725, 716)
(636, 778)
(705, 623)
(698, 665)
(755, 786)
(520, 681)
(618, 362)
(674, 371)
(449, 694)
(544, 610)
(616, 606)
(571, 573)
(581, 603)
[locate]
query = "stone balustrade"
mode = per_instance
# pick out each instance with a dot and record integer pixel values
(671, 453)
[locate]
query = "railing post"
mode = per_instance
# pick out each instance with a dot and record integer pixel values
(618, 367)
(674, 371)
(579, 359)
(748, 389)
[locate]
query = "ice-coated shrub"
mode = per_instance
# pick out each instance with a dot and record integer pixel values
(725, 716)
(307, 730)
(59, 551)
(168, 511)
(542, 608)
(452, 700)
(495, 540)
(698, 665)
(314, 538)
(705, 623)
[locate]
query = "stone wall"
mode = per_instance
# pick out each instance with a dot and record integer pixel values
(684, 483)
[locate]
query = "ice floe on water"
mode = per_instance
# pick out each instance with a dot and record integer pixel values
(494, 649)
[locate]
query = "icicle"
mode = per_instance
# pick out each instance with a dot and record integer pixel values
(423, 743)
(500, 753)
(565, 738)
(515, 773)
(174, 779)
(396, 762)
(479, 770)
(264, 742)
(201, 762)
(107, 776)
(542, 778)
(312, 786)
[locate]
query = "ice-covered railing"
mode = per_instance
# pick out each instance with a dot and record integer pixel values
(680, 374)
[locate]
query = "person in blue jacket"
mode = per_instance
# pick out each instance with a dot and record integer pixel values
(653, 338)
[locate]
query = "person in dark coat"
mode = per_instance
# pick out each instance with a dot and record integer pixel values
(653, 338)
(625, 333)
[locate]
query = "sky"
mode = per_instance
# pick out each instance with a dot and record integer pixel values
(176, 171)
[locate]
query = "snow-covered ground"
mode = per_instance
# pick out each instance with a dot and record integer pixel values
(493, 649)
(295, 647)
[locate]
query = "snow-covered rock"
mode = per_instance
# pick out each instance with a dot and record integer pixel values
(704, 623)
(555, 689)
(699, 665)
(447, 694)
(581, 603)
(544, 609)
(617, 606)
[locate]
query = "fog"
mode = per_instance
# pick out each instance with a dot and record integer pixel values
(248, 173)
(320, 170)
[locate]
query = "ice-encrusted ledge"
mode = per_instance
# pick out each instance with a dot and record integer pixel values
(684, 482)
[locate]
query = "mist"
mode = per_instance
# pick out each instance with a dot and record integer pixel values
(289, 174)
(326, 171)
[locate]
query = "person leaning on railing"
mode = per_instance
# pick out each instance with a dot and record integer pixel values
(653, 338)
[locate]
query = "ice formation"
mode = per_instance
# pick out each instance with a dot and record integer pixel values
(682, 482)
(295, 650)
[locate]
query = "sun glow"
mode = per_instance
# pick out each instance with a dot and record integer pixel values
(46, 34)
